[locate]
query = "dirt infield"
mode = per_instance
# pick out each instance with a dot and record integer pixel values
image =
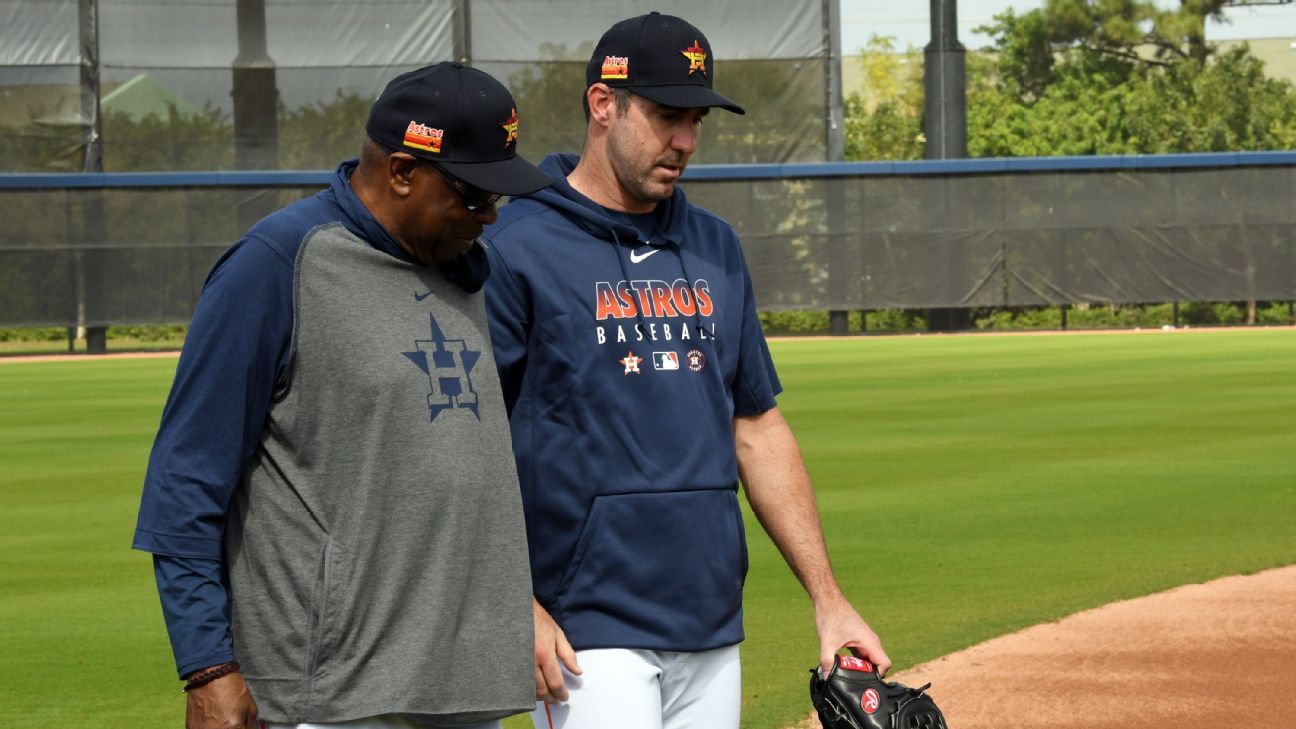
(1218, 654)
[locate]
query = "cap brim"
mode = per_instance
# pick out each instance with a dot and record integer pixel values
(513, 176)
(686, 96)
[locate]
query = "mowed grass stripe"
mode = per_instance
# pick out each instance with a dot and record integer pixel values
(83, 637)
(970, 486)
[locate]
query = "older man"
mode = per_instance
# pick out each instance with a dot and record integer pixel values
(331, 500)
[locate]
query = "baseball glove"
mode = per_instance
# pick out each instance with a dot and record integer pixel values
(854, 696)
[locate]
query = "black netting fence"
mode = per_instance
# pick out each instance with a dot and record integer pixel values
(139, 255)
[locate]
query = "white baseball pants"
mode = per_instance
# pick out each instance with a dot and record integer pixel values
(641, 689)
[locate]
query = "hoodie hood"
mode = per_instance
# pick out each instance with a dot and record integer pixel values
(591, 217)
(469, 271)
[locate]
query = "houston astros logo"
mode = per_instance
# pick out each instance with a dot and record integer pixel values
(697, 57)
(448, 364)
(422, 136)
(869, 701)
(696, 360)
(616, 68)
(511, 125)
(631, 363)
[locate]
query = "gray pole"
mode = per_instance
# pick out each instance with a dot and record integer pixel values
(92, 209)
(835, 149)
(945, 85)
(92, 134)
(256, 116)
(463, 31)
(945, 121)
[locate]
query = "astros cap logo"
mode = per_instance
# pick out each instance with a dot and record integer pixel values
(696, 56)
(510, 125)
(421, 136)
(616, 68)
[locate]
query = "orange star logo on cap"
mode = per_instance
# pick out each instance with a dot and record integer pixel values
(697, 57)
(510, 125)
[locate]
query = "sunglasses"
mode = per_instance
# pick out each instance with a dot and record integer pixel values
(474, 198)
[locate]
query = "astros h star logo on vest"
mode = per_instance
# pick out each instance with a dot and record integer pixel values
(448, 364)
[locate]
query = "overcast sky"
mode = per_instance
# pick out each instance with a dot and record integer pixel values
(908, 21)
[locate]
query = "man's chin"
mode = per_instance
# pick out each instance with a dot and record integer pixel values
(445, 252)
(659, 190)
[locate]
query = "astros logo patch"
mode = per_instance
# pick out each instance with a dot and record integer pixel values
(697, 58)
(448, 364)
(421, 136)
(631, 363)
(696, 360)
(616, 68)
(511, 126)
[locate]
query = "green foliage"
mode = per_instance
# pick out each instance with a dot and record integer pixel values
(1087, 78)
(180, 142)
(319, 136)
(1079, 78)
(34, 334)
(1109, 317)
(150, 333)
(1019, 318)
(885, 121)
(1275, 313)
(783, 323)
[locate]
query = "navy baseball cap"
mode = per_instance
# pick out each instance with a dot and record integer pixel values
(659, 57)
(460, 118)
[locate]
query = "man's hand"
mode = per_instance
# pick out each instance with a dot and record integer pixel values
(839, 626)
(551, 646)
(222, 704)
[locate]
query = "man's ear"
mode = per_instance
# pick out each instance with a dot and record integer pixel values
(400, 173)
(602, 103)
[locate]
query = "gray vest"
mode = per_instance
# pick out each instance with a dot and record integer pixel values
(376, 548)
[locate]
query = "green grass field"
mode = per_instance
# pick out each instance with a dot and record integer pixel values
(970, 486)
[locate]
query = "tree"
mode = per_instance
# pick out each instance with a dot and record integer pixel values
(1122, 77)
(884, 122)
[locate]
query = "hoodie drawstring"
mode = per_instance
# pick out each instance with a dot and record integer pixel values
(697, 308)
(625, 276)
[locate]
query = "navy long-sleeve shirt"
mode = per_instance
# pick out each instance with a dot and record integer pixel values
(236, 353)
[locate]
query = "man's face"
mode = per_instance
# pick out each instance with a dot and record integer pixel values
(649, 145)
(437, 226)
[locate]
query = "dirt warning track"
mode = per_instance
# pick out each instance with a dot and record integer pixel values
(1217, 654)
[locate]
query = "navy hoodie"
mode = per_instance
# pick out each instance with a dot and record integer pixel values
(624, 359)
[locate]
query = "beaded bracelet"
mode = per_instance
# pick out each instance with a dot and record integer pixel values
(202, 678)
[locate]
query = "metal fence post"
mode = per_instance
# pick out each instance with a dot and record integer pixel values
(92, 210)
(835, 151)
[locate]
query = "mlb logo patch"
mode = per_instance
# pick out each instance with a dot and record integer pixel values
(665, 360)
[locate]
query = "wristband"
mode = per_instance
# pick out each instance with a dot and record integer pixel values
(206, 676)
